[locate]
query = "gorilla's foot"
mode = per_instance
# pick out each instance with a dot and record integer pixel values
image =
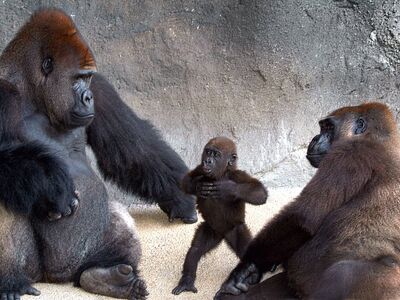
(16, 293)
(119, 281)
(185, 284)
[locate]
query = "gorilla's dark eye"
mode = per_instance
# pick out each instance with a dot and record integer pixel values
(361, 126)
(47, 66)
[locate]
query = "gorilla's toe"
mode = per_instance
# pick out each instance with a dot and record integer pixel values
(139, 290)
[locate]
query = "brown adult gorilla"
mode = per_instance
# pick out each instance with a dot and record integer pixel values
(340, 238)
(46, 111)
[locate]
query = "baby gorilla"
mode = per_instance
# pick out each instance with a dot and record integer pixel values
(222, 192)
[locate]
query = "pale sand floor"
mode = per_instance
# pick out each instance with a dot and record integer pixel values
(164, 248)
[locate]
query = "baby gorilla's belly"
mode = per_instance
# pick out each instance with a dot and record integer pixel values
(219, 217)
(68, 242)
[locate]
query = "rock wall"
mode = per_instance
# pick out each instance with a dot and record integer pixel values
(261, 72)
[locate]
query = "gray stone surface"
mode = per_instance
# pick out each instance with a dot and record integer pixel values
(261, 72)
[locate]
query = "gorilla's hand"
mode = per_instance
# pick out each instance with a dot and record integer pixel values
(238, 282)
(17, 290)
(222, 190)
(33, 180)
(58, 198)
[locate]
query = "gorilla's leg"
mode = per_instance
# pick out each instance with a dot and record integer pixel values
(205, 239)
(356, 279)
(114, 270)
(275, 287)
(19, 260)
(238, 239)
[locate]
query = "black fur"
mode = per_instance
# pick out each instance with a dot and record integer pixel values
(131, 153)
(31, 178)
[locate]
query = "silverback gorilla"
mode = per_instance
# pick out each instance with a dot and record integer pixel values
(340, 238)
(48, 114)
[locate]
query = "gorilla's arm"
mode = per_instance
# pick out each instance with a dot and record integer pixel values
(248, 188)
(342, 174)
(131, 153)
(32, 180)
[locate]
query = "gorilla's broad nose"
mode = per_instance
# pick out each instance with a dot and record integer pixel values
(87, 98)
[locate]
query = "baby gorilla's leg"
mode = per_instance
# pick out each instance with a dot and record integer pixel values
(238, 239)
(204, 240)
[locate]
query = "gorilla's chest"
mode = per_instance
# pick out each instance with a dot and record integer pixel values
(68, 144)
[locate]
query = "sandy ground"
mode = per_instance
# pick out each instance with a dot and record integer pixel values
(164, 248)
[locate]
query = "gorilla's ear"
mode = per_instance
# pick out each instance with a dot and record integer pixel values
(360, 126)
(232, 159)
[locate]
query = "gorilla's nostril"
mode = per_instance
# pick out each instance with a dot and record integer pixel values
(87, 97)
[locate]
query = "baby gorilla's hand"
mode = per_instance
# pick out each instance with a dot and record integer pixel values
(223, 189)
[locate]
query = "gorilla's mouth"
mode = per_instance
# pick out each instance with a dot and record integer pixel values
(83, 117)
(315, 159)
(78, 120)
(206, 170)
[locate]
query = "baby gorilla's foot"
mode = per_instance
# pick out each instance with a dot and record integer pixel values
(185, 284)
(119, 281)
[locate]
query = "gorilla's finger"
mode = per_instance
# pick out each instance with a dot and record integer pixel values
(209, 188)
(68, 212)
(74, 205)
(242, 286)
(32, 291)
(215, 195)
(171, 217)
(231, 289)
(53, 216)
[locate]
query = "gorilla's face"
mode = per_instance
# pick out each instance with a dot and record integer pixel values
(321, 143)
(82, 112)
(333, 128)
(219, 156)
(60, 69)
(64, 89)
